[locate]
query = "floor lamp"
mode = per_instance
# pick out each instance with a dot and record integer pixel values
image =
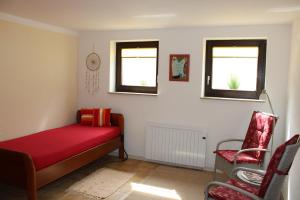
(264, 95)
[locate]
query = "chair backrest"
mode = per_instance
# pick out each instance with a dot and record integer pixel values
(278, 168)
(259, 133)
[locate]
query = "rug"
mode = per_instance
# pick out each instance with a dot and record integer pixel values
(102, 183)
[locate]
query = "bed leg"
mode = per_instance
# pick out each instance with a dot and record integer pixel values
(31, 187)
(31, 183)
(121, 152)
(31, 194)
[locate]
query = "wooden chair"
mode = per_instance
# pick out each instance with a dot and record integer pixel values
(254, 145)
(269, 189)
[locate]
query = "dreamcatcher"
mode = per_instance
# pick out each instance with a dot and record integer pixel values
(93, 63)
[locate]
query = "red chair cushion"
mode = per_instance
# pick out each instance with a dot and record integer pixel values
(228, 155)
(224, 193)
(259, 133)
(273, 165)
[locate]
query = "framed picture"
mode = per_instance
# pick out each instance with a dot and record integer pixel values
(179, 67)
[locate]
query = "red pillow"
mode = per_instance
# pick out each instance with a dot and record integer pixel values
(102, 117)
(87, 117)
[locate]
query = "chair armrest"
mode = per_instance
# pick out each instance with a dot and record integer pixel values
(228, 140)
(256, 171)
(244, 192)
(246, 150)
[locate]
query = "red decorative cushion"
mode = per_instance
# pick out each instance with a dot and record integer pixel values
(273, 165)
(102, 117)
(87, 117)
(99, 117)
(228, 155)
(224, 193)
(259, 133)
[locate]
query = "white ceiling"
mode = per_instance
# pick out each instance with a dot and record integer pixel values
(145, 14)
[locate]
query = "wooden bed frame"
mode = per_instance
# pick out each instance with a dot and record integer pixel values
(18, 169)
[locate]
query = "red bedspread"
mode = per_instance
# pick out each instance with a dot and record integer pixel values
(51, 146)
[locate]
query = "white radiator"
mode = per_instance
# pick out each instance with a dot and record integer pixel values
(176, 145)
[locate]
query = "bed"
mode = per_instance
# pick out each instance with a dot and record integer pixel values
(29, 163)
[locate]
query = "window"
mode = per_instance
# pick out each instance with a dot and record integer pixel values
(235, 68)
(137, 67)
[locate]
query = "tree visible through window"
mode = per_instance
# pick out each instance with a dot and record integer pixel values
(136, 67)
(235, 68)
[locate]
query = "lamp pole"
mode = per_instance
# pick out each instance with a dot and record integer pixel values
(272, 111)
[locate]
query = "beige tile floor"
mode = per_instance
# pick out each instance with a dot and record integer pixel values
(187, 183)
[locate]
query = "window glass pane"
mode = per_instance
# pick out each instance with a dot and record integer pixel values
(235, 52)
(139, 72)
(139, 52)
(235, 68)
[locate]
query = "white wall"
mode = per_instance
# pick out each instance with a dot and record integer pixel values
(293, 114)
(180, 103)
(38, 79)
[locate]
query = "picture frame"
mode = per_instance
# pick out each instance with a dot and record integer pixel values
(179, 65)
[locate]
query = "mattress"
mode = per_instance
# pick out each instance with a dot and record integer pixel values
(51, 146)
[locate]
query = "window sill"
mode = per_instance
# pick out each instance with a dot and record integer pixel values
(134, 93)
(234, 99)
